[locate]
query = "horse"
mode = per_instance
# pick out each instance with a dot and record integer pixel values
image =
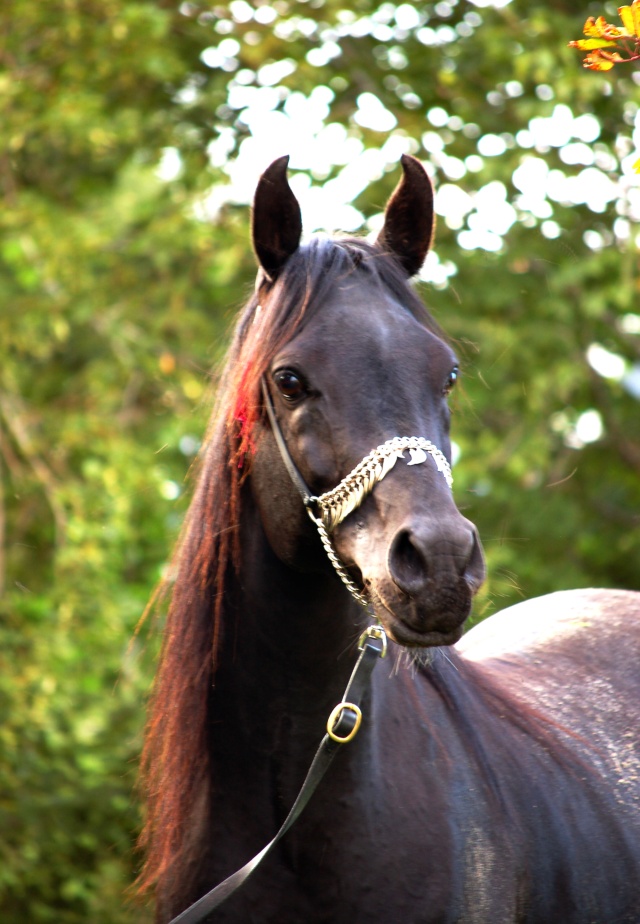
(495, 774)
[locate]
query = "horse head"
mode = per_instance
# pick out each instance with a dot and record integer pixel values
(363, 364)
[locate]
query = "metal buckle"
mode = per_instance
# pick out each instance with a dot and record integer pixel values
(334, 717)
(374, 632)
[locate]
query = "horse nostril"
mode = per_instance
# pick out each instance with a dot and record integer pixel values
(434, 552)
(475, 570)
(407, 565)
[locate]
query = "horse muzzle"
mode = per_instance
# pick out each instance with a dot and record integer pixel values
(423, 593)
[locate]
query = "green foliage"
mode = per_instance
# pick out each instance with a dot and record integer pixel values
(116, 298)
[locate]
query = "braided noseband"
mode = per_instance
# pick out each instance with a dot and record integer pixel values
(331, 508)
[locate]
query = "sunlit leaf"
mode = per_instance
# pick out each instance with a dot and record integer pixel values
(592, 27)
(606, 30)
(591, 43)
(630, 16)
(627, 18)
(595, 62)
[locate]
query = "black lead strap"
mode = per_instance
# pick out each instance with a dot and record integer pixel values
(342, 727)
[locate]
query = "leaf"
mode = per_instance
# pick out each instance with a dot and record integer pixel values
(595, 63)
(605, 29)
(627, 18)
(591, 27)
(630, 16)
(591, 43)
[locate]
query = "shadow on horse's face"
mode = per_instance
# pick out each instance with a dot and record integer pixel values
(361, 371)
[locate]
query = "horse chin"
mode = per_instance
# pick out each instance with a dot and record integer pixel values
(436, 620)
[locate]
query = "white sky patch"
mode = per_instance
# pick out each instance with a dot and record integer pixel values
(241, 11)
(491, 145)
(432, 142)
(452, 167)
(438, 116)
(407, 17)
(222, 56)
(372, 114)
(553, 131)
(577, 152)
(170, 166)
(586, 128)
(271, 74)
(531, 179)
(474, 163)
(629, 323)
(170, 490)
(578, 431)
(493, 212)
(588, 428)
(607, 364)
(435, 272)
(479, 239)
(550, 229)
(496, 4)
(590, 187)
(453, 203)
(320, 57)
(631, 381)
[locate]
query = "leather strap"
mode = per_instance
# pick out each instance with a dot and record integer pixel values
(373, 646)
(303, 489)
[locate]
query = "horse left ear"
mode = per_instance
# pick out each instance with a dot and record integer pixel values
(276, 222)
(409, 220)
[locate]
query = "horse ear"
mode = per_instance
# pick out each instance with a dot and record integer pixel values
(276, 223)
(409, 220)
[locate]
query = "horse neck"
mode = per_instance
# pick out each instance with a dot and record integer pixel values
(288, 651)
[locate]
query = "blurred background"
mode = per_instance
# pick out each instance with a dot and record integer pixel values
(132, 135)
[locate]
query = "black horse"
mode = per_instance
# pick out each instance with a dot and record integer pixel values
(495, 781)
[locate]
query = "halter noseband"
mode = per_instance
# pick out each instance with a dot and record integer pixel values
(331, 508)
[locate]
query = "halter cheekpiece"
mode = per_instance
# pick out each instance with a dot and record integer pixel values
(331, 508)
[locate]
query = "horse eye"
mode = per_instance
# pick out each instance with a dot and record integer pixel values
(452, 378)
(289, 384)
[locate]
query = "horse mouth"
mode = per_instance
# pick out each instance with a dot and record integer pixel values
(438, 622)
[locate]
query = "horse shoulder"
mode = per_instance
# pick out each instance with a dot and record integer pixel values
(570, 659)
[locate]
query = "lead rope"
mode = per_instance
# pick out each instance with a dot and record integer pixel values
(342, 727)
(344, 721)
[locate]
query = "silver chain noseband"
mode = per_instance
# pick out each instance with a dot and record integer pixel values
(330, 508)
(337, 504)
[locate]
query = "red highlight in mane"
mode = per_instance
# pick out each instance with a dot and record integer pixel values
(176, 765)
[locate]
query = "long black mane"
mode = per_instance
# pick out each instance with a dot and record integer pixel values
(176, 761)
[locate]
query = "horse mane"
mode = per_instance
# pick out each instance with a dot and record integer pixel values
(175, 768)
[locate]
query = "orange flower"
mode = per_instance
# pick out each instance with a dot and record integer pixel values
(602, 36)
(597, 62)
(630, 16)
(600, 28)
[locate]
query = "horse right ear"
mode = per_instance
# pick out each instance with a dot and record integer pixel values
(276, 223)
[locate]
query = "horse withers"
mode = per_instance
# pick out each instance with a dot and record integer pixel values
(495, 781)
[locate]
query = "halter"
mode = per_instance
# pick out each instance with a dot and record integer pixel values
(331, 508)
